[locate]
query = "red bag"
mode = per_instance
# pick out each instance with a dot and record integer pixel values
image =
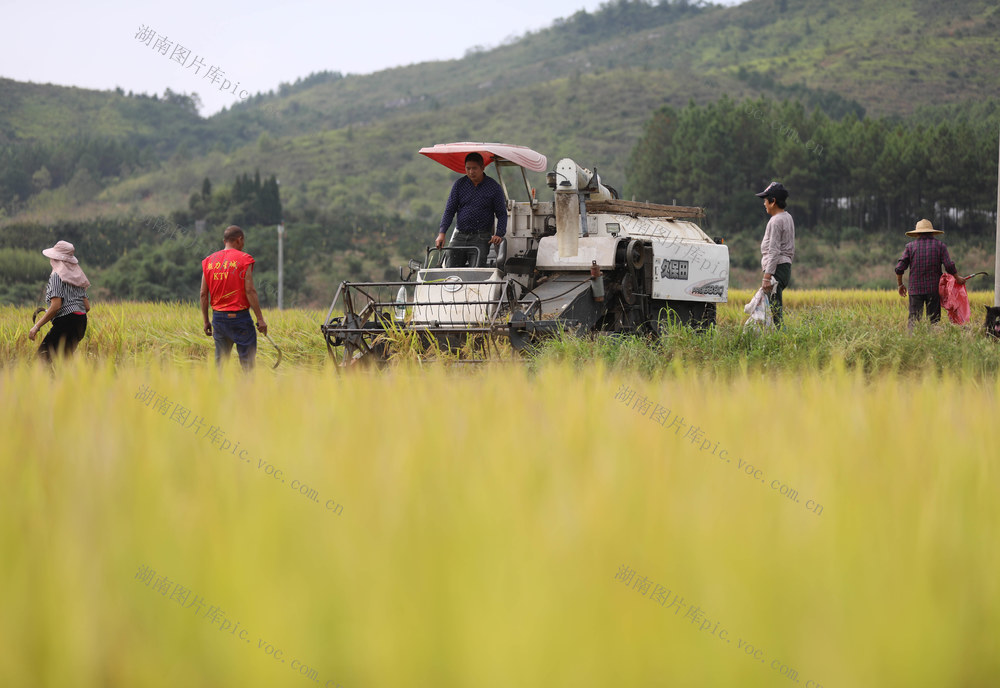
(954, 299)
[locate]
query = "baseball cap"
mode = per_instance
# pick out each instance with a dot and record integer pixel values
(775, 189)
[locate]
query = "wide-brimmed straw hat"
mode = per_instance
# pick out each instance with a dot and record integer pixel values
(63, 250)
(924, 227)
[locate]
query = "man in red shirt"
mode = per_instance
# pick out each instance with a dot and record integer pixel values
(227, 281)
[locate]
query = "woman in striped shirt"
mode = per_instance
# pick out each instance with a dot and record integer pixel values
(66, 295)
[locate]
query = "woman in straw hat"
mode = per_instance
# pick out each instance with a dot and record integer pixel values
(66, 295)
(924, 257)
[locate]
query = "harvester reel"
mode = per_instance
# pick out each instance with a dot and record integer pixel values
(362, 345)
(334, 340)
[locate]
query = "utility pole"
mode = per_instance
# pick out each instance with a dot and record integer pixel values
(281, 253)
(281, 265)
(996, 254)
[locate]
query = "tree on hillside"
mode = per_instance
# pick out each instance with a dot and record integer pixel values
(41, 179)
(876, 174)
(248, 202)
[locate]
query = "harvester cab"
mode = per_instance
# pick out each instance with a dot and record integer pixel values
(585, 261)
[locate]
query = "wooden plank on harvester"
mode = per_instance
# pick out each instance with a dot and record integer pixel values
(639, 209)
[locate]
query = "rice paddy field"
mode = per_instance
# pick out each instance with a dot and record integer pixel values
(815, 507)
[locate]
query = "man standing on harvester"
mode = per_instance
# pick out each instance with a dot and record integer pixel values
(477, 200)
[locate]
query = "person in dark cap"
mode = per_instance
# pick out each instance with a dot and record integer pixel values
(477, 200)
(924, 257)
(778, 247)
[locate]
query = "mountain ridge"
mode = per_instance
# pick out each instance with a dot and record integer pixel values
(583, 87)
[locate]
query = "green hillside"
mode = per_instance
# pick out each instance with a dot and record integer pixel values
(871, 51)
(582, 87)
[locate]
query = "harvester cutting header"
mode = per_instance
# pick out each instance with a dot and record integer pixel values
(584, 262)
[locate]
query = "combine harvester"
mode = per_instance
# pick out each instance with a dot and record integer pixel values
(583, 262)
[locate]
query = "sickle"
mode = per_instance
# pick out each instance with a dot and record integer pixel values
(268, 337)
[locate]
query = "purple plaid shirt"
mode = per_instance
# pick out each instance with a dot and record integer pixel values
(924, 257)
(476, 206)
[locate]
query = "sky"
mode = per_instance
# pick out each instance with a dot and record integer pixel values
(253, 44)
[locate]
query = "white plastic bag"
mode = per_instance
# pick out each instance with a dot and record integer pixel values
(759, 310)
